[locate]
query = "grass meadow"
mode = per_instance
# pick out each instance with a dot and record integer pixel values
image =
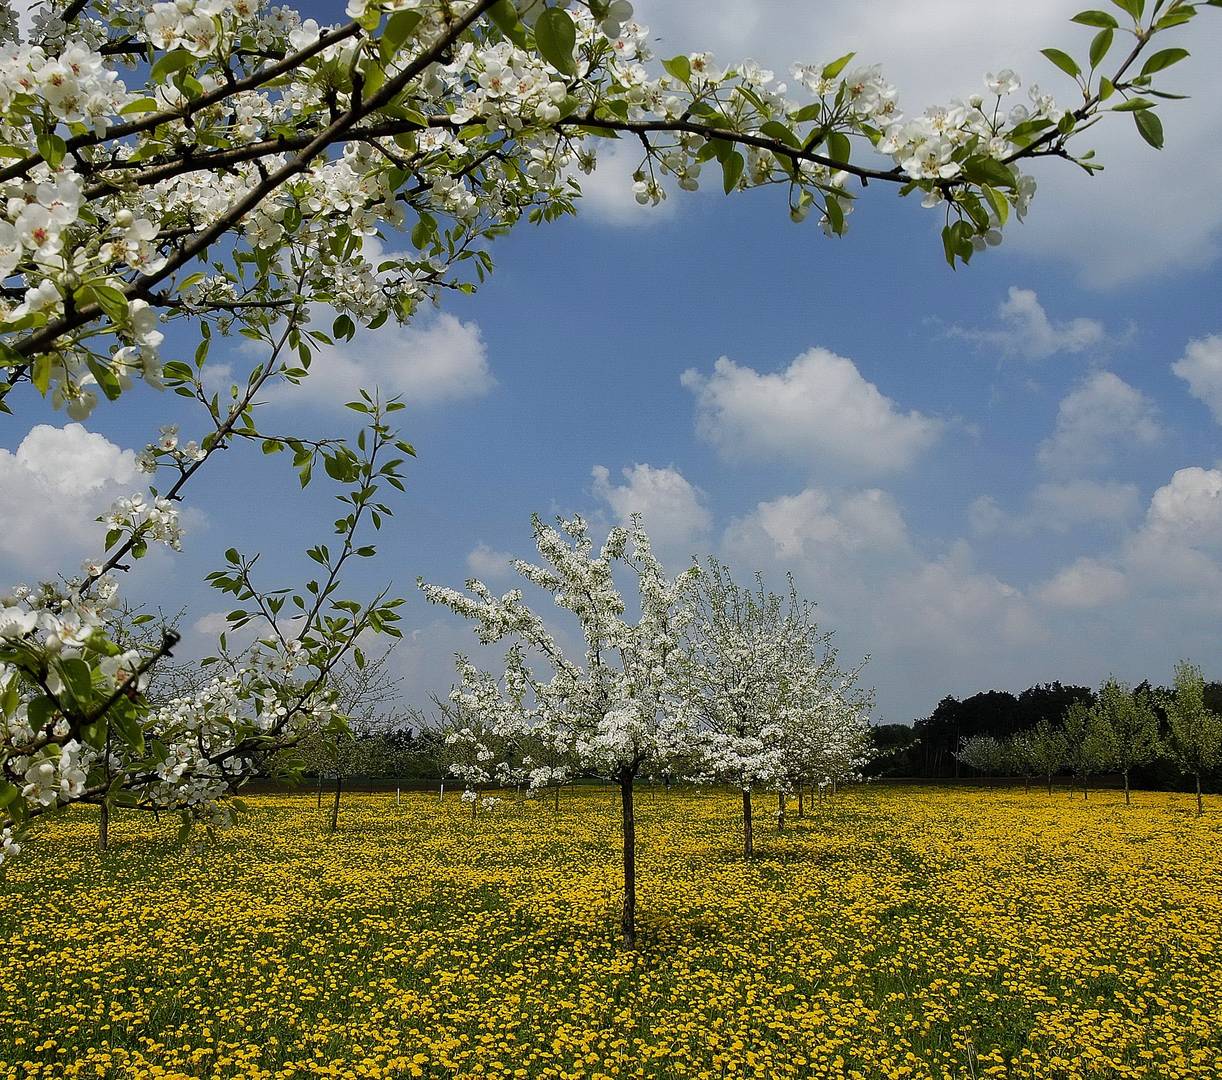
(891, 932)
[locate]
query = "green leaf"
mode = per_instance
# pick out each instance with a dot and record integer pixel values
(52, 148)
(78, 678)
(1099, 47)
(1096, 18)
(140, 105)
(424, 234)
(399, 27)
(40, 374)
(1177, 17)
(837, 66)
(999, 203)
(838, 147)
(1163, 59)
(1150, 126)
(502, 13)
(168, 64)
(1136, 104)
(555, 38)
(988, 170)
(111, 301)
(127, 724)
(774, 129)
(679, 66)
(1133, 7)
(1064, 61)
(731, 170)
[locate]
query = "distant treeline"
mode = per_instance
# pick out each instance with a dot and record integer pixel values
(927, 747)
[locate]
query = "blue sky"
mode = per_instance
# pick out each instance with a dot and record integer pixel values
(985, 478)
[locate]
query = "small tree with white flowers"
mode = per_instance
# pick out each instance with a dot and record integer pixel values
(613, 709)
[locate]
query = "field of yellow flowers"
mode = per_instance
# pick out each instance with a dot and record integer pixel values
(892, 932)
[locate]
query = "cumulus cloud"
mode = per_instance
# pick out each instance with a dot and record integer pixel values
(931, 622)
(1101, 414)
(1188, 509)
(985, 516)
(52, 487)
(1062, 506)
(1087, 583)
(1027, 331)
(672, 509)
(1201, 368)
(817, 525)
(431, 360)
(487, 563)
(820, 412)
(1059, 508)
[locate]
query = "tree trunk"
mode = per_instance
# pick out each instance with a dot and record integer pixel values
(339, 783)
(801, 801)
(557, 802)
(780, 813)
(748, 838)
(628, 913)
(1026, 785)
(320, 791)
(1050, 783)
(1200, 808)
(1085, 789)
(1126, 787)
(103, 827)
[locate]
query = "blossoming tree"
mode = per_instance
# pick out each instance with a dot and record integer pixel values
(223, 165)
(759, 681)
(613, 709)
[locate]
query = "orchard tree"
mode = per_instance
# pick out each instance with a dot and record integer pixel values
(613, 710)
(234, 169)
(483, 725)
(1194, 732)
(364, 695)
(1134, 727)
(1022, 757)
(986, 754)
(1089, 743)
(758, 677)
(1047, 749)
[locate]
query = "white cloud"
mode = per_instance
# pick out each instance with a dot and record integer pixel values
(1094, 420)
(950, 607)
(1145, 213)
(606, 193)
(673, 511)
(52, 488)
(985, 516)
(819, 412)
(1087, 583)
(815, 525)
(427, 361)
(1188, 509)
(487, 563)
(1201, 368)
(931, 623)
(1027, 331)
(1060, 507)
(211, 624)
